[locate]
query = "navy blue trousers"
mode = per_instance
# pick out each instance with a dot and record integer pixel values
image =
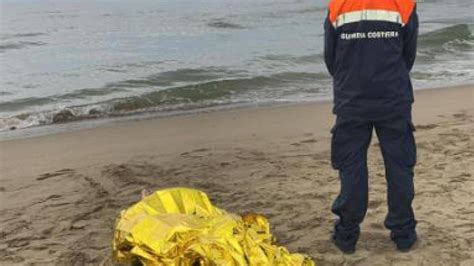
(350, 141)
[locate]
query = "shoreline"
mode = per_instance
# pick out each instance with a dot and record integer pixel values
(61, 128)
(61, 193)
(148, 133)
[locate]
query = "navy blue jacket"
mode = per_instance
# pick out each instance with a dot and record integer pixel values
(370, 48)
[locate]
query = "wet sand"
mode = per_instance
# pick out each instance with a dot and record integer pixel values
(60, 194)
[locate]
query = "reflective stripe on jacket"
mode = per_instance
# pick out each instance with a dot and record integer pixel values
(370, 48)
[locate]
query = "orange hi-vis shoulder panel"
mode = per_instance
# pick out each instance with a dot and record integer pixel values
(347, 11)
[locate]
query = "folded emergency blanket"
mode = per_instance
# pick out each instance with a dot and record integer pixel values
(180, 226)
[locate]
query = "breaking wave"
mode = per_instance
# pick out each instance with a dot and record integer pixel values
(201, 94)
(452, 39)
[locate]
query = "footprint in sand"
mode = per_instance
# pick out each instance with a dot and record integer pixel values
(461, 115)
(18, 242)
(201, 150)
(440, 166)
(306, 141)
(77, 225)
(197, 153)
(54, 196)
(250, 155)
(57, 173)
(309, 141)
(426, 127)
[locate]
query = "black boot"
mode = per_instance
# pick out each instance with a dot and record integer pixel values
(347, 247)
(404, 242)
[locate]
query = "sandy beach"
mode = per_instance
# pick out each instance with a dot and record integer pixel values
(60, 193)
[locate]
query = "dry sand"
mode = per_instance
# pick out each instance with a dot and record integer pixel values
(60, 194)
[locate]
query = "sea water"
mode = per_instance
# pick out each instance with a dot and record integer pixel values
(64, 61)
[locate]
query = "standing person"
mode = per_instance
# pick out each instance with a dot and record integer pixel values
(370, 48)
